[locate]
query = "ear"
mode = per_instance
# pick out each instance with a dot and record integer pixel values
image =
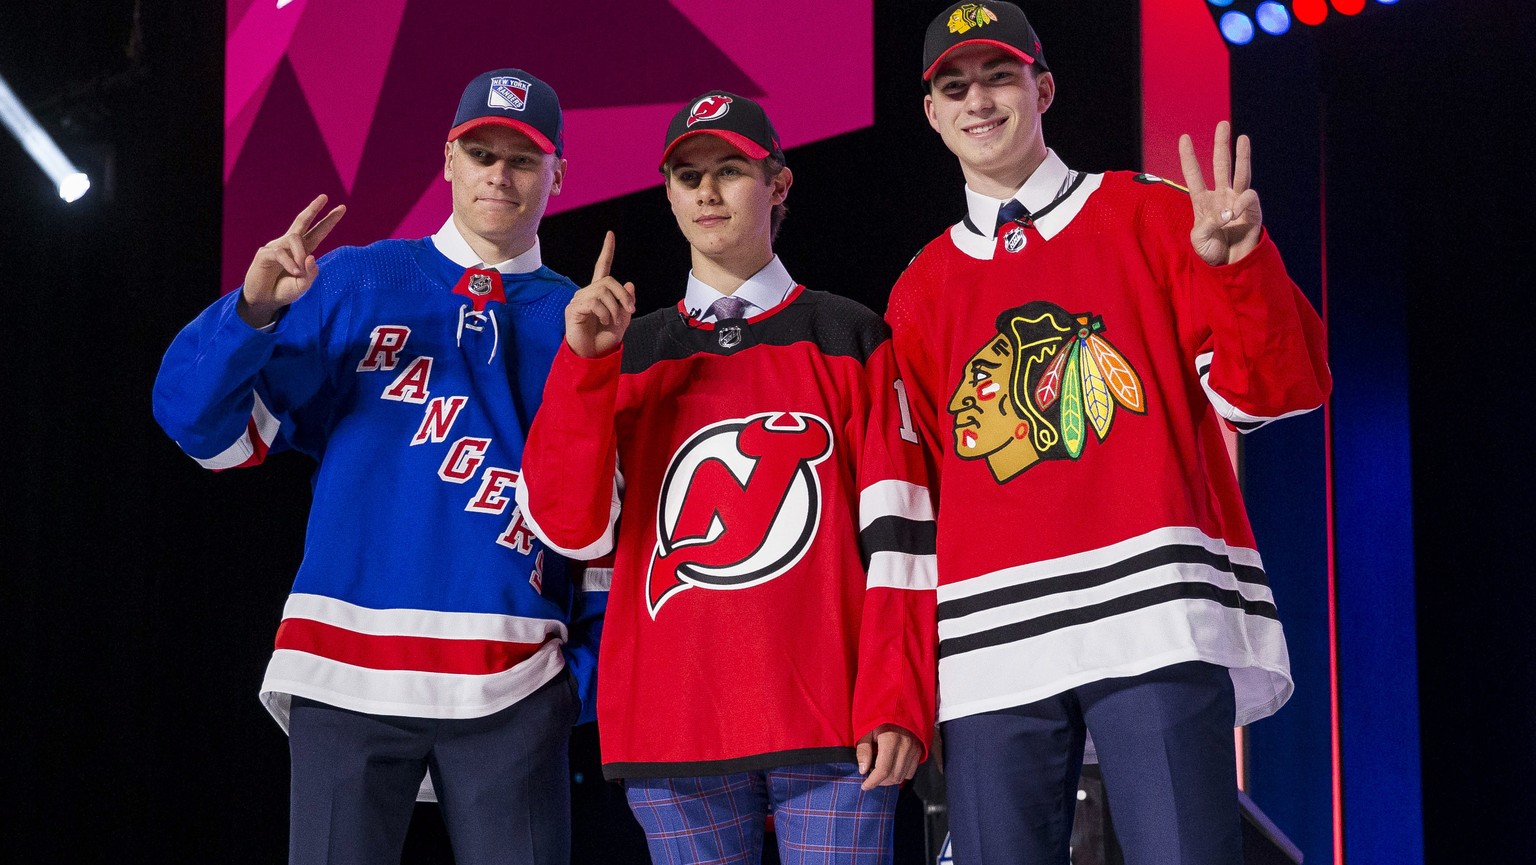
(1046, 84)
(448, 160)
(933, 119)
(781, 184)
(554, 188)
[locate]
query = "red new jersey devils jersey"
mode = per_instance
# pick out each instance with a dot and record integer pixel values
(759, 484)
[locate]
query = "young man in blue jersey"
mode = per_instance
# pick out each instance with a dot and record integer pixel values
(429, 633)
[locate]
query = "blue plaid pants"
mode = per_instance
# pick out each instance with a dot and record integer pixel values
(820, 816)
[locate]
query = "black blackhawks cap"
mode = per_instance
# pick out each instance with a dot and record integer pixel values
(513, 98)
(999, 24)
(736, 119)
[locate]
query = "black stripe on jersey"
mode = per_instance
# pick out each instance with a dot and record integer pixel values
(1172, 554)
(1013, 633)
(898, 535)
(1247, 425)
(1201, 369)
(837, 326)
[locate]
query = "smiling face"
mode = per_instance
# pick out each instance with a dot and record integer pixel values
(986, 105)
(502, 182)
(723, 203)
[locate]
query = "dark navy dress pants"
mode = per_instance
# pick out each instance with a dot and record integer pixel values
(1164, 743)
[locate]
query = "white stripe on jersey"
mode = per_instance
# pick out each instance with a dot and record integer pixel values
(1245, 422)
(894, 499)
(422, 623)
(241, 450)
(894, 570)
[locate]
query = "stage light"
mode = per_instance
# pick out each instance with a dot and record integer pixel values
(1237, 28)
(1386, 2)
(71, 182)
(1272, 18)
(1349, 7)
(1310, 11)
(1221, 3)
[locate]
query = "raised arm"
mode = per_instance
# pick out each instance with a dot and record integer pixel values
(569, 490)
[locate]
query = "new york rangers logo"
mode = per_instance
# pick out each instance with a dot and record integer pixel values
(709, 108)
(739, 505)
(508, 92)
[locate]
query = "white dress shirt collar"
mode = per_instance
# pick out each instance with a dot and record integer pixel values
(451, 243)
(1049, 180)
(763, 291)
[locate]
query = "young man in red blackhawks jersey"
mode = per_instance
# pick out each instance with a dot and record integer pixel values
(1071, 350)
(428, 631)
(769, 642)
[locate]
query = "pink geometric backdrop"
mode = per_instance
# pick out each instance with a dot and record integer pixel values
(354, 98)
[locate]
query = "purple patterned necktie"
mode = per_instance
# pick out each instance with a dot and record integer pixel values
(727, 307)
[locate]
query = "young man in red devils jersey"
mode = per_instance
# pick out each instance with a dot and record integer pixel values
(744, 457)
(1072, 349)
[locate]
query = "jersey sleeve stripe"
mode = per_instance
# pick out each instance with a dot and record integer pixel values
(597, 580)
(894, 498)
(898, 535)
(893, 570)
(252, 445)
(1241, 420)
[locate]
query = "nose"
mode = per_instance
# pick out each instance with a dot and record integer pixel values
(500, 174)
(963, 400)
(978, 99)
(708, 192)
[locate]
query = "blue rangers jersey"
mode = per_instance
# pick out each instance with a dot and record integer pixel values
(411, 382)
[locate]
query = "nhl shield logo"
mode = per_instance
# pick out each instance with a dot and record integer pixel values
(1013, 239)
(508, 92)
(479, 284)
(729, 337)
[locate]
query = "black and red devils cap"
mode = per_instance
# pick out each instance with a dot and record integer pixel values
(512, 98)
(998, 24)
(737, 119)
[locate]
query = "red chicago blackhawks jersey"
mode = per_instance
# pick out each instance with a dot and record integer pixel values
(772, 587)
(1071, 376)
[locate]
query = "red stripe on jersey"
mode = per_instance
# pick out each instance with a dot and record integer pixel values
(392, 652)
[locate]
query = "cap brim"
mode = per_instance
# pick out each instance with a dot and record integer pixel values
(534, 135)
(750, 148)
(928, 73)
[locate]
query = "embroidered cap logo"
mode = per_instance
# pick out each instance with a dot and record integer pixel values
(508, 92)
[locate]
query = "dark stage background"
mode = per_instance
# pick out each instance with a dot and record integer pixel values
(141, 592)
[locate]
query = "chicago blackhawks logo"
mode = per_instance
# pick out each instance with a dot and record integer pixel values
(970, 15)
(740, 504)
(1033, 391)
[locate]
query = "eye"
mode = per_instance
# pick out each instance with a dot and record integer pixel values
(951, 88)
(979, 375)
(729, 171)
(689, 177)
(1001, 76)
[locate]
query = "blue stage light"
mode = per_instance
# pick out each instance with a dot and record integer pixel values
(1221, 3)
(1386, 2)
(1272, 17)
(1237, 28)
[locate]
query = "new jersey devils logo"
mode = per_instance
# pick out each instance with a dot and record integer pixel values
(709, 108)
(739, 505)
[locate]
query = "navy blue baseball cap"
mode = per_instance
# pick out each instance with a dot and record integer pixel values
(512, 98)
(736, 119)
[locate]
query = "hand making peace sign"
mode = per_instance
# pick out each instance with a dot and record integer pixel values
(1228, 221)
(283, 269)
